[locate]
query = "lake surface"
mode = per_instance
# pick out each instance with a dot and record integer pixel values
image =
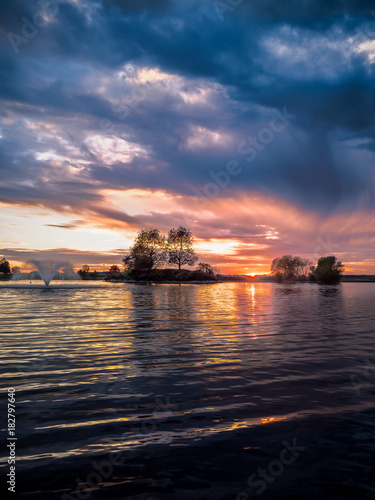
(189, 392)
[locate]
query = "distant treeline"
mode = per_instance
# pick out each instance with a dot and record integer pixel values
(288, 268)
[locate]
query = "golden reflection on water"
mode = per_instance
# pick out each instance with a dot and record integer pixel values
(172, 437)
(101, 357)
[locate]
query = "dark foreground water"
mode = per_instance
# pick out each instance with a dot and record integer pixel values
(225, 391)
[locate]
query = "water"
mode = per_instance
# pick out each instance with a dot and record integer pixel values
(195, 387)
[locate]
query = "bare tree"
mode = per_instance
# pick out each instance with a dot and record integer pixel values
(180, 247)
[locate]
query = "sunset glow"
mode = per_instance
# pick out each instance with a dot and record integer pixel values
(95, 148)
(187, 249)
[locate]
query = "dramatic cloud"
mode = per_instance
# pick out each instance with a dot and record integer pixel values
(251, 122)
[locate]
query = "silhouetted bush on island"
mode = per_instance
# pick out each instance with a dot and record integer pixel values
(201, 276)
(328, 270)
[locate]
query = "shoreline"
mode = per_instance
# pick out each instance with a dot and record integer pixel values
(168, 282)
(370, 279)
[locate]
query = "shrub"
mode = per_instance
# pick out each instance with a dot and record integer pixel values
(200, 276)
(183, 275)
(328, 270)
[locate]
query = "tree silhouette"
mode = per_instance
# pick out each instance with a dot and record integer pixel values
(286, 267)
(328, 270)
(207, 268)
(114, 273)
(180, 247)
(84, 272)
(147, 252)
(4, 266)
(290, 268)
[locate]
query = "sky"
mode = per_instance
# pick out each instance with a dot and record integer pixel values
(252, 122)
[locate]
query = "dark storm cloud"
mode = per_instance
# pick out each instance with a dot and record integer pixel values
(129, 6)
(306, 12)
(262, 55)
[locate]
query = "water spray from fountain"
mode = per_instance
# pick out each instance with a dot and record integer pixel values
(48, 270)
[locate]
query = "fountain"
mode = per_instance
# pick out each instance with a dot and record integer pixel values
(47, 270)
